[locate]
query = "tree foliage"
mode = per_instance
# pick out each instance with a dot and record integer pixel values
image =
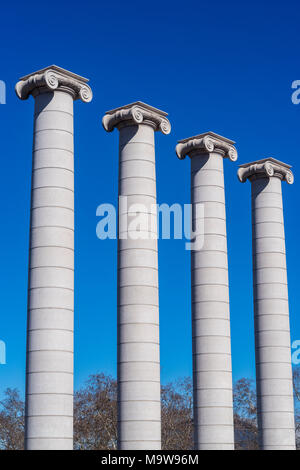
(11, 420)
(177, 415)
(296, 382)
(245, 423)
(95, 415)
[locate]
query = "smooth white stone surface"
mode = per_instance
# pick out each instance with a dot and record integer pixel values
(139, 413)
(272, 330)
(49, 412)
(212, 376)
(139, 421)
(49, 383)
(213, 412)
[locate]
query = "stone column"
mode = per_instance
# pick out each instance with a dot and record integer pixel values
(139, 415)
(275, 404)
(212, 375)
(49, 366)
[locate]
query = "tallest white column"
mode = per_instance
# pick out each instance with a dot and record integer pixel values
(212, 375)
(49, 365)
(139, 416)
(275, 401)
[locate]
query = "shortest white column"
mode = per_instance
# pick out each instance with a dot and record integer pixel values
(275, 405)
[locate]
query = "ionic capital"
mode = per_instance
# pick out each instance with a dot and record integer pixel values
(206, 143)
(54, 78)
(136, 113)
(265, 168)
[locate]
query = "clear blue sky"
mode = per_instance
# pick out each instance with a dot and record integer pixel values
(212, 65)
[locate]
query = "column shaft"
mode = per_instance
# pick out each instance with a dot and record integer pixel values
(272, 330)
(212, 376)
(139, 416)
(49, 370)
